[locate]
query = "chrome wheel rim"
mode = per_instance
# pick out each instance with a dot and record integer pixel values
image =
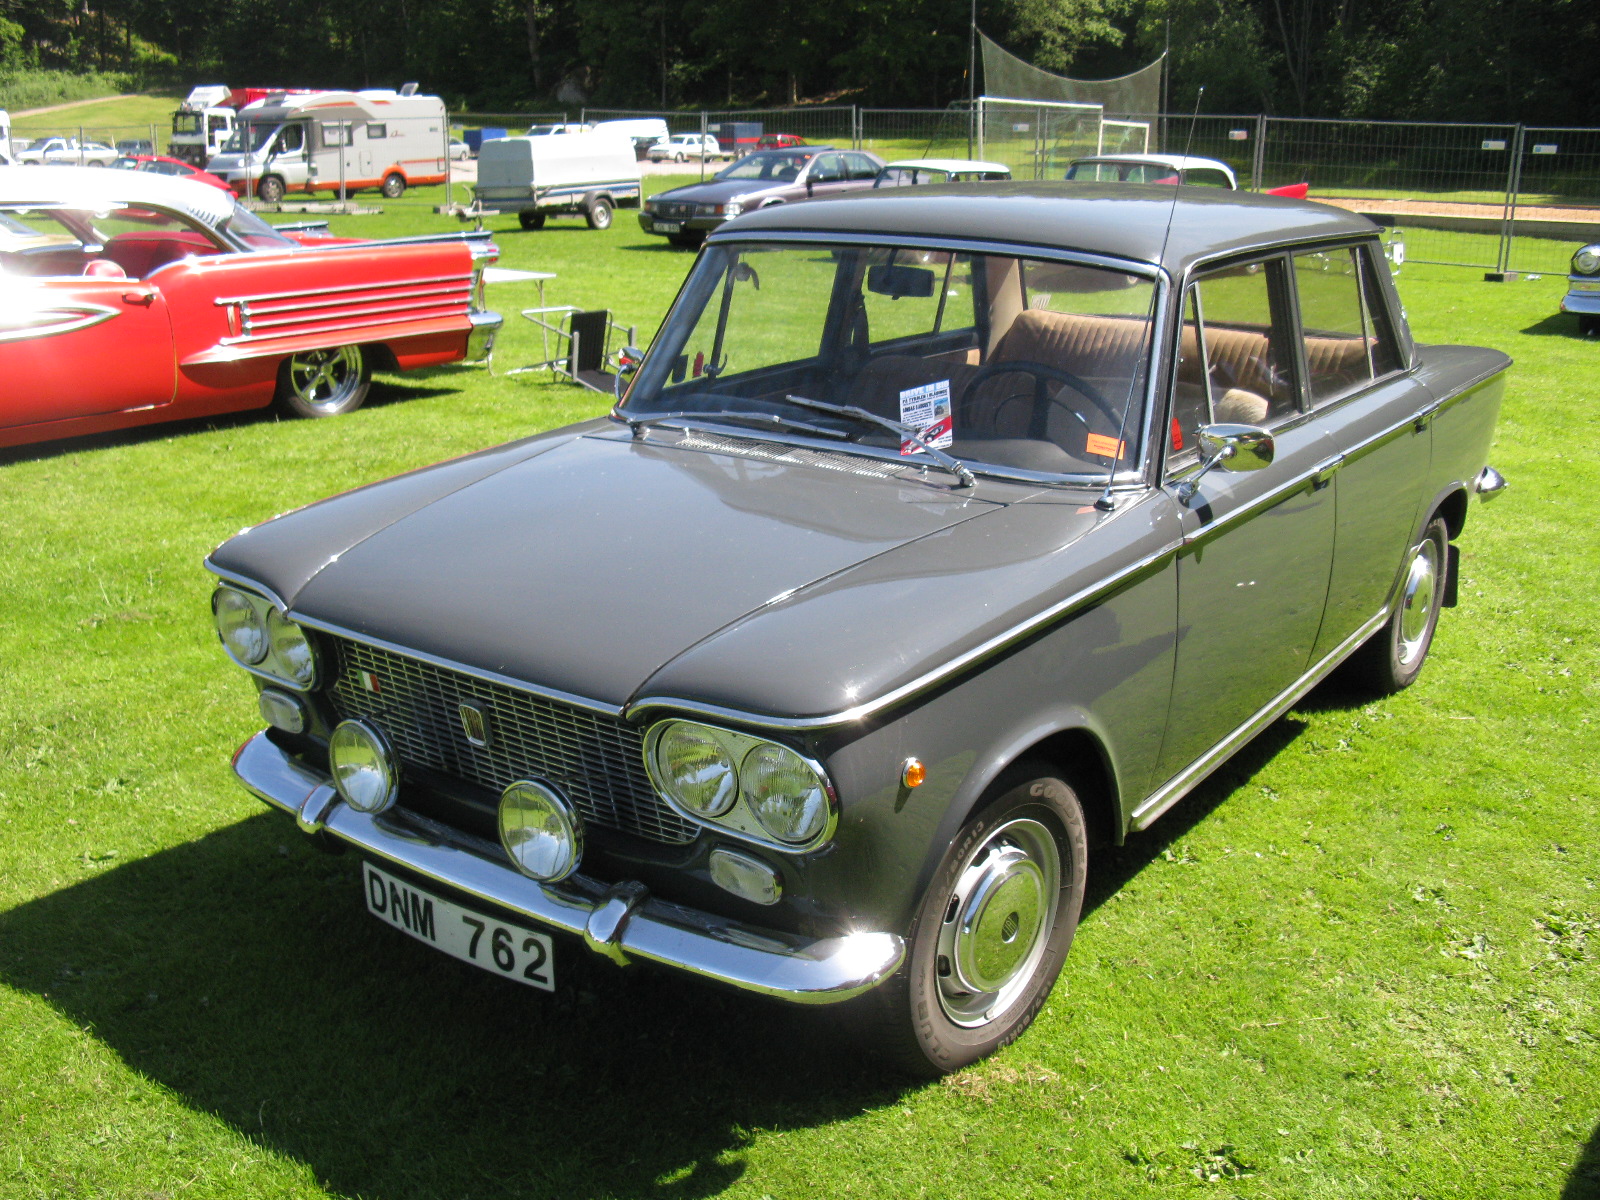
(325, 379)
(996, 922)
(1418, 600)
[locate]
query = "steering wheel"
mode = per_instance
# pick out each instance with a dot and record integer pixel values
(1042, 398)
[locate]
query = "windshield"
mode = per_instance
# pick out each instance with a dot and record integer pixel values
(251, 230)
(1011, 364)
(185, 122)
(258, 135)
(773, 166)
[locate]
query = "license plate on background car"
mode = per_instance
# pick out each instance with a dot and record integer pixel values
(483, 941)
(668, 226)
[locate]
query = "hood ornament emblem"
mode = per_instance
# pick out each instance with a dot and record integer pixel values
(475, 724)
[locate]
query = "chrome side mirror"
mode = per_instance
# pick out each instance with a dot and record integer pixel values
(1233, 448)
(628, 359)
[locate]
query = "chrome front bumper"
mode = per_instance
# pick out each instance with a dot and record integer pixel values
(622, 921)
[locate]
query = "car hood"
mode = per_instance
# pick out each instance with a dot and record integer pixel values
(720, 191)
(585, 562)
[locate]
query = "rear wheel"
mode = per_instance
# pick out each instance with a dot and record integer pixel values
(324, 383)
(1392, 658)
(531, 220)
(394, 185)
(599, 213)
(991, 933)
(270, 189)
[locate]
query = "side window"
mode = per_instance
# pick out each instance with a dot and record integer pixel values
(1345, 346)
(1233, 360)
(828, 169)
(376, 131)
(291, 139)
(861, 167)
(1206, 177)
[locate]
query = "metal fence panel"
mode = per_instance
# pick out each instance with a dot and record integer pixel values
(1555, 207)
(894, 133)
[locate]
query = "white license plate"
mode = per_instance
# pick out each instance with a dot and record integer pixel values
(486, 942)
(668, 226)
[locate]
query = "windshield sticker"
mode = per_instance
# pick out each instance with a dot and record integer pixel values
(927, 410)
(1105, 447)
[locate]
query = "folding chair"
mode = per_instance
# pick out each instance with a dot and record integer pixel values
(588, 336)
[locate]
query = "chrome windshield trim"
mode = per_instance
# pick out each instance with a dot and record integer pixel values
(1060, 611)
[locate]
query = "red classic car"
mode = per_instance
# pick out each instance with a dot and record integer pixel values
(128, 298)
(162, 164)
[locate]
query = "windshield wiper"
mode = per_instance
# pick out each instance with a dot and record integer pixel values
(906, 432)
(760, 420)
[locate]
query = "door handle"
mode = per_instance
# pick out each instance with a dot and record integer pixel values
(145, 298)
(1323, 473)
(1420, 421)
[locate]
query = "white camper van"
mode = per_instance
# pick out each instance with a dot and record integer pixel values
(536, 177)
(328, 141)
(5, 140)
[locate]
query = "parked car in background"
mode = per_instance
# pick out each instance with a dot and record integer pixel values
(549, 130)
(459, 150)
(682, 146)
(962, 560)
(63, 151)
(913, 172)
(779, 141)
(160, 164)
(1583, 289)
(131, 146)
(767, 177)
(128, 298)
(1154, 168)
(643, 132)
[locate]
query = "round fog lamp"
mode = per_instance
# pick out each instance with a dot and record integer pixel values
(364, 768)
(240, 626)
(786, 794)
(540, 831)
(694, 769)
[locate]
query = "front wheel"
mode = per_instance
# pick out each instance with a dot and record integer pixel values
(992, 930)
(324, 383)
(270, 190)
(599, 213)
(1392, 658)
(394, 185)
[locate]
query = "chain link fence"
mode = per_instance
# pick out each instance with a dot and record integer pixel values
(93, 140)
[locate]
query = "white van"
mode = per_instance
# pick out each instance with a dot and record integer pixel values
(643, 131)
(536, 177)
(323, 141)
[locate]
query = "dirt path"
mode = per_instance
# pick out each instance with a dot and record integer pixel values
(50, 108)
(1453, 208)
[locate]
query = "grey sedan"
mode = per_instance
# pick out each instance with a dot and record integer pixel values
(915, 568)
(761, 180)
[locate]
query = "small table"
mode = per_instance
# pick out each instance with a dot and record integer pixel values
(512, 275)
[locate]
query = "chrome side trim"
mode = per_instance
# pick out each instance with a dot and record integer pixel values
(462, 280)
(26, 324)
(1181, 784)
(1489, 483)
(1260, 504)
(622, 922)
(1059, 611)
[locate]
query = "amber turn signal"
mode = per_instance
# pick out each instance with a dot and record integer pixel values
(914, 773)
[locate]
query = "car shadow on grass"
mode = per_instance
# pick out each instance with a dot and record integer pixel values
(1584, 1182)
(1556, 325)
(241, 972)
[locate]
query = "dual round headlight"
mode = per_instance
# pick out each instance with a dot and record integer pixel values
(1586, 261)
(258, 635)
(750, 786)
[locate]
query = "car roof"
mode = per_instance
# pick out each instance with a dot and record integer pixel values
(89, 187)
(1172, 227)
(949, 164)
(1180, 162)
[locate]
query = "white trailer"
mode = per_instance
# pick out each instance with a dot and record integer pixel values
(536, 177)
(336, 141)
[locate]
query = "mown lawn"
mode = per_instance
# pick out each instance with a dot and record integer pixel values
(1363, 960)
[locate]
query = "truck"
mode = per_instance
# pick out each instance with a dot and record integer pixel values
(207, 117)
(336, 141)
(577, 173)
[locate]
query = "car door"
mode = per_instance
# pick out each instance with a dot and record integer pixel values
(826, 175)
(1369, 406)
(1253, 566)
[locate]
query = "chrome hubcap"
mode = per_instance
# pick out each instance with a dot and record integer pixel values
(1417, 601)
(324, 379)
(997, 921)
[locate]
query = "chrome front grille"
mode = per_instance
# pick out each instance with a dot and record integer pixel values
(672, 210)
(595, 760)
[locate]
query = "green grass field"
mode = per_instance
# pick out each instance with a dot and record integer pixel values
(1363, 960)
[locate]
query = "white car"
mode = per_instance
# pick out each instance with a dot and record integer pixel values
(459, 150)
(681, 146)
(62, 151)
